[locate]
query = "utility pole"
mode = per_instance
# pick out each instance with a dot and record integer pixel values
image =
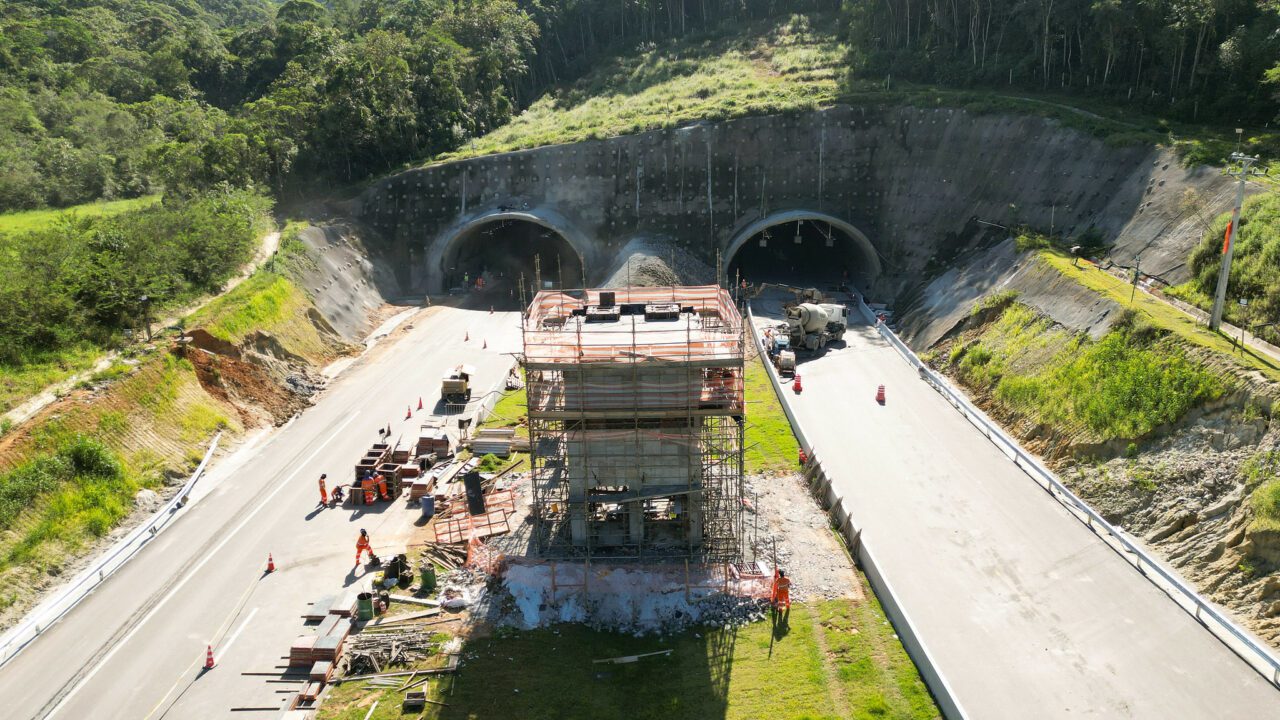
(1137, 273)
(1229, 245)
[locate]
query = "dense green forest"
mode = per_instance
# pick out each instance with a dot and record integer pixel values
(1205, 60)
(82, 280)
(120, 98)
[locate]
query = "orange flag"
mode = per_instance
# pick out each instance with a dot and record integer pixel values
(1226, 239)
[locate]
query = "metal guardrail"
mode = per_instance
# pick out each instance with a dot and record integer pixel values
(1239, 640)
(54, 608)
(842, 520)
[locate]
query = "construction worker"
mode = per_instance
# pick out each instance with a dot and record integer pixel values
(781, 589)
(382, 487)
(362, 546)
(367, 486)
(324, 494)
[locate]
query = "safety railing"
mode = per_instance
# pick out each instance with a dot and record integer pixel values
(860, 546)
(1240, 641)
(54, 608)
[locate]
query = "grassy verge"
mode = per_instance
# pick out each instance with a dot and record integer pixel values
(1158, 313)
(753, 672)
(771, 445)
(510, 412)
(29, 220)
(1124, 385)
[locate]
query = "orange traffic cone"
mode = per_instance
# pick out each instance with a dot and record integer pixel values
(419, 402)
(797, 385)
(208, 658)
(271, 563)
(408, 412)
(880, 395)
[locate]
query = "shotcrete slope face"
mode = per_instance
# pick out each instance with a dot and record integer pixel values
(885, 194)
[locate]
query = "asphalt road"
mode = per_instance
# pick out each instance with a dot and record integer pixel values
(1027, 613)
(135, 648)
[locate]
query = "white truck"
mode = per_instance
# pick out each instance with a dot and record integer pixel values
(812, 325)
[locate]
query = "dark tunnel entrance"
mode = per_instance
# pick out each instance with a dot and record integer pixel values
(492, 257)
(803, 251)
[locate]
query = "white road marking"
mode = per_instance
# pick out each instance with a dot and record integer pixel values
(227, 645)
(195, 571)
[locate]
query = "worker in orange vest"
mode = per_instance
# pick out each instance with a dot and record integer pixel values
(781, 589)
(367, 486)
(382, 487)
(324, 494)
(362, 546)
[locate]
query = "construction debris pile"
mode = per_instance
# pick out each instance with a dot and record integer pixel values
(371, 652)
(633, 599)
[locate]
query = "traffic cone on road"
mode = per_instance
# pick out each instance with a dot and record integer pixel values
(880, 395)
(271, 563)
(419, 402)
(208, 658)
(467, 337)
(408, 412)
(797, 385)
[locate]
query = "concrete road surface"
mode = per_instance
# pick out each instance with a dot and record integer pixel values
(135, 648)
(1027, 613)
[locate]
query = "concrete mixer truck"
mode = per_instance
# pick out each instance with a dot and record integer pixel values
(813, 325)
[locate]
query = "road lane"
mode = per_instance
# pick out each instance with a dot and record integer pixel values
(204, 575)
(1027, 613)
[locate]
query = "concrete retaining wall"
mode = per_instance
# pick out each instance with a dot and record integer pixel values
(912, 181)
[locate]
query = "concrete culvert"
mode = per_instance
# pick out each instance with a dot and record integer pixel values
(501, 251)
(802, 248)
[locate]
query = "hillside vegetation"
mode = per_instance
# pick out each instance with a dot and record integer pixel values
(73, 288)
(1255, 267)
(1122, 386)
(124, 98)
(781, 64)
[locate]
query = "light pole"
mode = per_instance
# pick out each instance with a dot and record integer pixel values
(1228, 243)
(146, 314)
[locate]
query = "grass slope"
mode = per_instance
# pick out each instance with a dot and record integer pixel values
(1122, 386)
(832, 655)
(30, 220)
(772, 66)
(73, 478)
(1159, 313)
(20, 382)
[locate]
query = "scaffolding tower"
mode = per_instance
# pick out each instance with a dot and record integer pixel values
(635, 400)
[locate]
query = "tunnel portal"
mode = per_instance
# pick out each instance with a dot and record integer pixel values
(802, 249)
(499, 252)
